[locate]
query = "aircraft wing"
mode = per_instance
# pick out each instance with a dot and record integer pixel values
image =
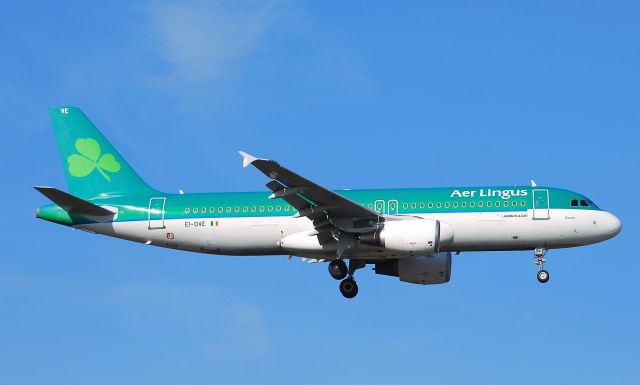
(327, 209)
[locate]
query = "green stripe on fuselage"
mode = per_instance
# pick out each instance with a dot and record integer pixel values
(409, 201)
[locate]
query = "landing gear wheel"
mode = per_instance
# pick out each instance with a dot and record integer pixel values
(349, 288)
(543, 276)
(338, 269)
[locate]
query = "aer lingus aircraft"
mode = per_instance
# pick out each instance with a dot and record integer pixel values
(404, 233)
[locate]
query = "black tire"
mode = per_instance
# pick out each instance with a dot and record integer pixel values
(338, 269)
(543, 276)
(349, 288)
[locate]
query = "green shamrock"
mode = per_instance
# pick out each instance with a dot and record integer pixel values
(89, 158)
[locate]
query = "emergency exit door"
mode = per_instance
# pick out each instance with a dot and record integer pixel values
(156, 213)
(540, 204)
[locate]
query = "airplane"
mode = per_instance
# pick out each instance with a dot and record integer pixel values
(405, 233)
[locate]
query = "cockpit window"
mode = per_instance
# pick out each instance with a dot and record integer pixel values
(574, 202)
(584, 203)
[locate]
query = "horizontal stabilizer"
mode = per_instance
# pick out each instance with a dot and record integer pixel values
(72, 204)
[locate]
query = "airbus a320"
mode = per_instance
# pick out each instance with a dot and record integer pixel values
(405, 233)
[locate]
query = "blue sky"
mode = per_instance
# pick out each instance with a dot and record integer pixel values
(352, 95)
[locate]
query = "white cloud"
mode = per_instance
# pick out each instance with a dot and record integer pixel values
(205, 40)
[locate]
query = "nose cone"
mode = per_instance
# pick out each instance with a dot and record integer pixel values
(612, 225)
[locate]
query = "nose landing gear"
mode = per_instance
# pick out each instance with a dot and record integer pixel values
(543, 275)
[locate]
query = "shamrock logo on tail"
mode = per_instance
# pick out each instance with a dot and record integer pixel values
(89, 159)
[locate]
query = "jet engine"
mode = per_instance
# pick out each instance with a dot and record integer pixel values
(410, 237)
(425, 270)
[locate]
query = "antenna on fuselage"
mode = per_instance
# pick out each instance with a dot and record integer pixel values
(533, 183)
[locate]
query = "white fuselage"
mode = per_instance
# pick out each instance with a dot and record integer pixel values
(475, 231)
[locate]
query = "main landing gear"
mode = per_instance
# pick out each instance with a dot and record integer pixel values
(338, 270)
(543, 275)
(349, 288)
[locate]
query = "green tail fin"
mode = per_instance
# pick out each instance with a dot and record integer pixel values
(92, 165)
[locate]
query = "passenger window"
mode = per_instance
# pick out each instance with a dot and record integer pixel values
(187, 210)
(574, 202)
(220, 210)
(228, 209)
(204, 210)
(195, 210)
(438, 205)
(270, 208)
(430, 205)
(464, 204)
(523, 203)
(278, 208)
(253, 209)
(261, 209)
(514, 203)
(446, 205)
(472, 204)
(480, 204)
(370, 206)
(405, 205)
(455, 205)
(421, 205)
(212, 209)
(584, 203)
(506, 204)
(245, 209)
(489, 204)
(237, 209)
(286, 208)
(413, 205)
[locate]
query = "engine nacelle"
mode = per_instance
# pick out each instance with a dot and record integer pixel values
(411, 236)
(425, 270)
(302, 242)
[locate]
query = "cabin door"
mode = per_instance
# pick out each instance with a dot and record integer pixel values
(156, 213)
(540, 204)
